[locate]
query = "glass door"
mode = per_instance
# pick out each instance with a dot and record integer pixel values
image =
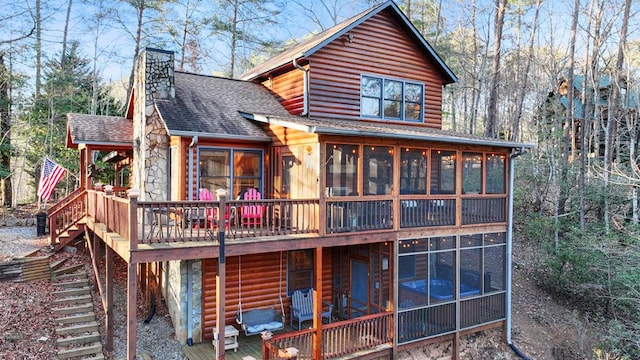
(359, 288)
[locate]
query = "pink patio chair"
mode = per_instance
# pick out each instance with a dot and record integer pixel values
(251, 214)
(211, 214)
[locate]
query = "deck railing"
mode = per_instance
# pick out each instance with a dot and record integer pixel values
(179, 221)
(417, 212)
(359, 215)
(338, 339)
(483, 210)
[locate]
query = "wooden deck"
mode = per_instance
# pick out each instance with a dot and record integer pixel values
(249, 346)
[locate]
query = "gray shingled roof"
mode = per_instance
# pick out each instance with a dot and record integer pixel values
(99, 129)
(210, 106)
(330, 126)
(313, 44)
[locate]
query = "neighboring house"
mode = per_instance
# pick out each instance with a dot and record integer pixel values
(401, 227)
(626, 128)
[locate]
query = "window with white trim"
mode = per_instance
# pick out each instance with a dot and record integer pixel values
(391, 99)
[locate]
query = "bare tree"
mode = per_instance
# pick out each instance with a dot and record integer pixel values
(239, 21)
(616, 109)
(515, 126)
(491, 126)
(5, 131)
(65, 34)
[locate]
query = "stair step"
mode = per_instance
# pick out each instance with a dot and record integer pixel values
(82, 339)
(67, 270)
(97, 357)
(68, 276)
(72, 284)
(83, 308)
(58, 264)
(78, 329)
(82, 299)
(74, 319)
(92, 349)
(72, 292)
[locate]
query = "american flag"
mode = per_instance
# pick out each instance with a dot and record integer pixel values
(51, 174)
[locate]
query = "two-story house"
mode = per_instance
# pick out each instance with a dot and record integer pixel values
(323, 171)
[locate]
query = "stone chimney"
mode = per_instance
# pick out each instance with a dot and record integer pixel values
(154, 80)
(159, 76)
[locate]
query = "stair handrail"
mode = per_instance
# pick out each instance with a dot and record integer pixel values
(63, 202)
(54, 232)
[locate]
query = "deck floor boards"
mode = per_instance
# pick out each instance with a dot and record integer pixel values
(249, 346)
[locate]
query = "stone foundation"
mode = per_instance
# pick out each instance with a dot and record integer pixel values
(175, 290)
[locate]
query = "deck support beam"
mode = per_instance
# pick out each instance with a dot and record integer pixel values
(221, 284)
(109, 298)
(317, 301)
(132, 321)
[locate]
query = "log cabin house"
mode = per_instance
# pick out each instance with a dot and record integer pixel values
(596, 105)
(323, 169)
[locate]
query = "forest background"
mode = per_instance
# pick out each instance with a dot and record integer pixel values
(561, 75)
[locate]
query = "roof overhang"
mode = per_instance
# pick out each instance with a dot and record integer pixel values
(375, 130)
(191, 134)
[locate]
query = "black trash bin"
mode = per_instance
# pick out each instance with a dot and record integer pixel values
(41, 223)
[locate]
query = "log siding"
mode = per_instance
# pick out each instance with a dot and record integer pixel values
(336, 69)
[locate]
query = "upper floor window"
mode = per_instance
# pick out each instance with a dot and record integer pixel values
(391, 99)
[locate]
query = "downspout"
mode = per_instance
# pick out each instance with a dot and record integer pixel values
(194, 141)
(512, 158)
(305, 86)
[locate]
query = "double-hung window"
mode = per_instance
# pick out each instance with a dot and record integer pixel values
(391, 99)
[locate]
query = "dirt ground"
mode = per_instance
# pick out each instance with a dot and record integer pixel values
(544, 327)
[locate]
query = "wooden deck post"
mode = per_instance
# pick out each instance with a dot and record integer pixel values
(317, 301)
(132, 320)
(221, 280)
(133, 218)
(109, 299)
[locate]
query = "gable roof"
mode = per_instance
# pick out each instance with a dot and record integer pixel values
(209, 106)
(317, 42)
(329, 126)
(99, 130)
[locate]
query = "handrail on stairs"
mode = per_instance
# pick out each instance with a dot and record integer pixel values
(66, 213)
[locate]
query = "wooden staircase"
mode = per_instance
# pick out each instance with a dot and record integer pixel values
(73, 233)
(67, 219)
(78, 332)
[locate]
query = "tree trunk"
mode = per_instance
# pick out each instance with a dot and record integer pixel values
(515, 129)
(141, 7)
(616, 110)
(64, 36)
(234, 38)
(491, 126)
(38, 51)
(569, 133)
(5, 130)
